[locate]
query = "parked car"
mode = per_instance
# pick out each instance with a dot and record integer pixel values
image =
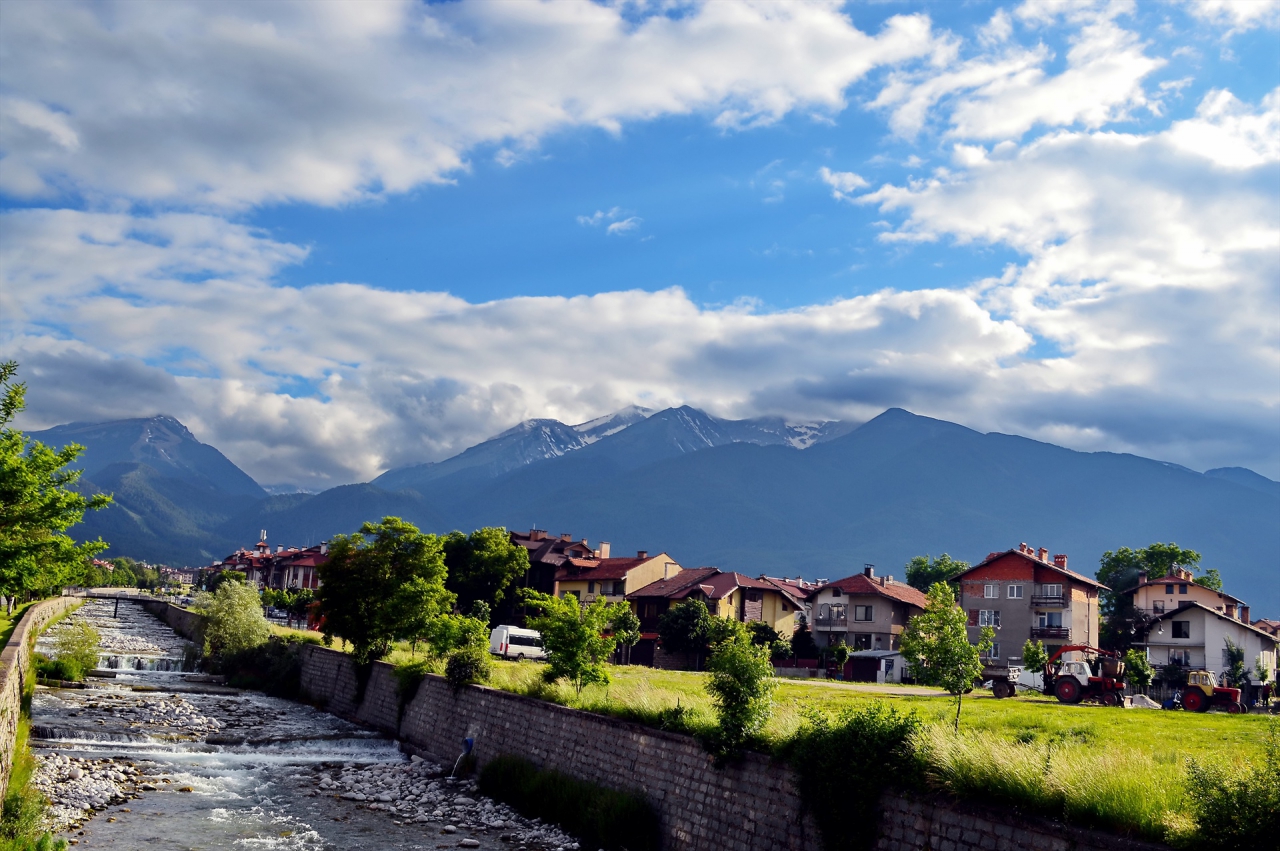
(512, 642)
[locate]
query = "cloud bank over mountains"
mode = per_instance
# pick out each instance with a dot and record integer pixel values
(1141, 312)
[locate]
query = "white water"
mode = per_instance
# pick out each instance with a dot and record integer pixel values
(251, 762)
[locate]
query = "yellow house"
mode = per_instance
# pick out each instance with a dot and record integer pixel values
(612, 578)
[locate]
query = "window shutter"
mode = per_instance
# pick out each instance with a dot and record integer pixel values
(973, 617)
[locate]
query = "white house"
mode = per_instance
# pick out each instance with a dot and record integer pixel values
(1194, 636)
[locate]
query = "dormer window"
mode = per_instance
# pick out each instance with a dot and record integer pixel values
(835, 592)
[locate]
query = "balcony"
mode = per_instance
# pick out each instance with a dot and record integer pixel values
(1056, 633)
(1050, 601)
(829, 621)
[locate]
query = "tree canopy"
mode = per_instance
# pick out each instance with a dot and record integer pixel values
(936, 646)
(483, 567)
(38, 504)
(579, 639)
(924, 571)
(382, 584)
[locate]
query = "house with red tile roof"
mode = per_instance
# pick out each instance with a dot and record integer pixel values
(863, 611)
(549, 553)
(612, 578)
(1024, 594)
(292, 568)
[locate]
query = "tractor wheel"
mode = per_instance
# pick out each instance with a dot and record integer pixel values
(1111, 699)
(1195, 701)
(1067, 690)
(1233, 708)
(999, 690)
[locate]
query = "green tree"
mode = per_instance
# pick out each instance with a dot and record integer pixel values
(578, 639)
(38, 504)
(76, 647)
(924, 571)
(1137, 670)
(1034, 656)
(234, 620)
(217, 580)
(382, 584)
(1235, 675)
(1260, 671)
(483, 566)
(683, 628)
(936, 646)
(1210, 579)
(741, 685)
(763, 635)
(802, 644)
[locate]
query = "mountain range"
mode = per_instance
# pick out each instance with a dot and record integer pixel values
(816, 500)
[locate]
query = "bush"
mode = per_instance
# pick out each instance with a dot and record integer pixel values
(1237, 807)
(234, 619)
(599, 817)
(741, 686)
(467, 665)
(273, 667)
(76, 649)
(843, 764)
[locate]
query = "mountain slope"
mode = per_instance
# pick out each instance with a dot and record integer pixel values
(162, 443)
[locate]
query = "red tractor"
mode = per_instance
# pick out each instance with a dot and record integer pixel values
(1073, 681)
(1203, 692)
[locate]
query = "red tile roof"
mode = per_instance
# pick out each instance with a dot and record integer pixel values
(1070, 574)
(672, 586)
(791, 587)
(599, 568)
(1192, 604)
(861, 584)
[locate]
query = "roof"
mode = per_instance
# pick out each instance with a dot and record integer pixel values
(1192, 604)
(791, 587)
(1070, 574)
(1168, 579)
(861, 584)
(599, 568)
(671, 586)
(1267, 625)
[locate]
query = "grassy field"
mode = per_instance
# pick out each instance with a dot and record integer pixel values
(9, 623)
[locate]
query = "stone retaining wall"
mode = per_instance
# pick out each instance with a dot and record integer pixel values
(752, 806)
(185, 622)
(15, 667)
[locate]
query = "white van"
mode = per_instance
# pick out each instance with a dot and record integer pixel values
(512, 642)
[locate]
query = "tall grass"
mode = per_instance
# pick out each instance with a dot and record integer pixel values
(1118, 788)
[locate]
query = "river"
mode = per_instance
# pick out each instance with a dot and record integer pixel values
(153, 758)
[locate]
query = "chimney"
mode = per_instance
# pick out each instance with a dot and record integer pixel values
(537, 535)
(1060, 560)
(604, 549)
(1142, 574)
(584, 542)
(279, 548)
(1043, 553)
(1022, 548)
(566, 537)
(666, 568)
(642, 553)
(1244, 614)
(990, 556)
(324, 548)
(869, 571)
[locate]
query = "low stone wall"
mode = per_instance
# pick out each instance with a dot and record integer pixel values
(750, 806)
(15, 667)
(185, 622)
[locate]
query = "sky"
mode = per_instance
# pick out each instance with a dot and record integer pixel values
(337, 238)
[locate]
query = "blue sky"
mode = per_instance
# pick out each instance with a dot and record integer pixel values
(338, 238)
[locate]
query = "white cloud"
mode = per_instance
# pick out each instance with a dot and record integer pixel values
(1004, 94)
(630, 223)
(998, 29)
(599, 216)
(231, 105)
(1236, 15)
(1231, 134)
(842, 183)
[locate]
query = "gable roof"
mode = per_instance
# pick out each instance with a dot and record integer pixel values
(861, 584)
(674, 585)
(1192, 604)
(601, 568)
(1070, 574)
(1169, 579)
(791, 587)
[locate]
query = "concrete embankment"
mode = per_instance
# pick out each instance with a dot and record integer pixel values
(750, 806)
(15, 668)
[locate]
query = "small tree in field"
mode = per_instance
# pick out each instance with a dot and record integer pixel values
(578, 639)
(936, 646)
(1235, 674)
(840, 655)
(1034, 656)
(234, 619)
(741, 686)
(1137, 670)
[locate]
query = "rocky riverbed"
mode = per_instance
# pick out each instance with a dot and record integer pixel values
(155, 759)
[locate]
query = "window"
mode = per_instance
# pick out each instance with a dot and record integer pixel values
(988, 617)
(1180, 657)
(1052, 590)
(862, 613)
(785, 607)
(1182, 589)
(1168, 589)
(1182, 629)
(1157, 607)
(1049, 620)
(835, 592)
(991, 591)
(862, 641)
(995, 650)
(1015, 592)
(591, 587)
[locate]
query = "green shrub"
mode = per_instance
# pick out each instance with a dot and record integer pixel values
(1237, 806)
(467, 665)
(741, 686)
(273, 667)
(598, 817)
(234, 619)
(843, 765)
(76, 649)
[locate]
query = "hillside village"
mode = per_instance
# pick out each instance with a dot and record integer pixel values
(1023, 593)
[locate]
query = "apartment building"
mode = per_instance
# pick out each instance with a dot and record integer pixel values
(863, 611)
